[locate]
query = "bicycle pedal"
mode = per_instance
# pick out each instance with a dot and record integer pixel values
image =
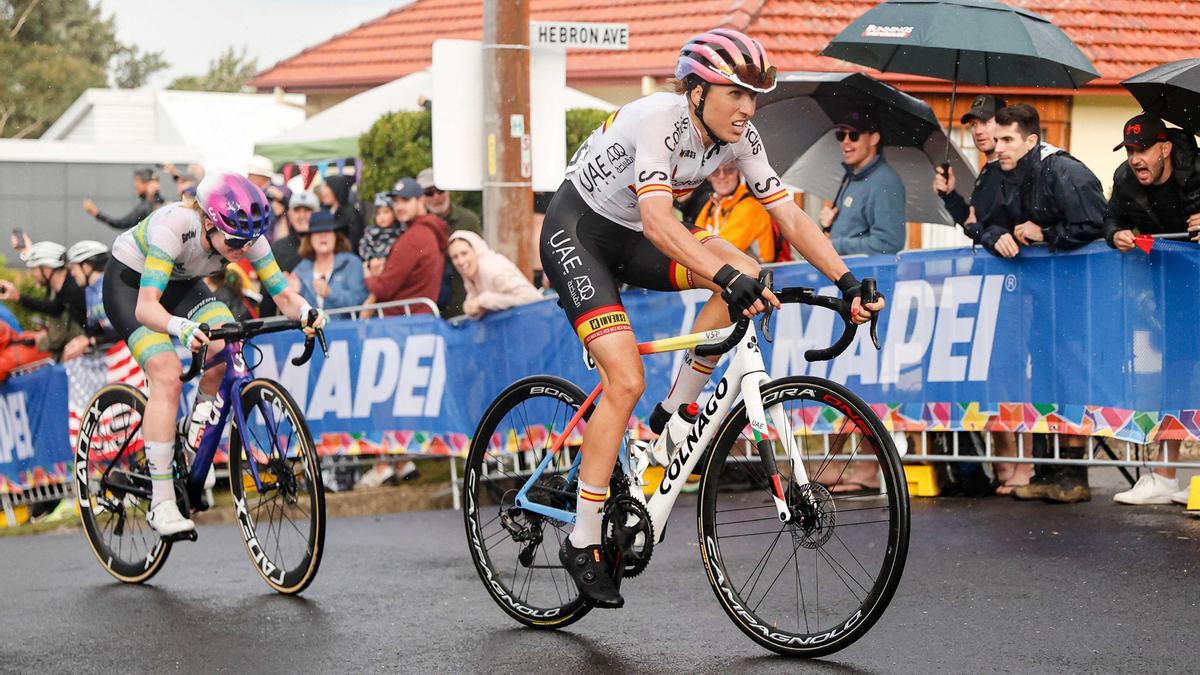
(189, 535)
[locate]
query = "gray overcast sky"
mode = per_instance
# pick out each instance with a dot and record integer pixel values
(272, 30)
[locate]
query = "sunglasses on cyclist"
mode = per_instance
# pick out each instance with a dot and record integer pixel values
(236, 243)
(753, 77)
(841, 135)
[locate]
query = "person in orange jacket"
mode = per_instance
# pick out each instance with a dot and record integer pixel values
(733, 215)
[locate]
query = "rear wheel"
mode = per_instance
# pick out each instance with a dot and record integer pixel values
(814, 585)
(112, 485)
(515, 551)
(282, 514)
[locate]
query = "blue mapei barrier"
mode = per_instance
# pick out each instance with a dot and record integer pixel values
(1091, 341)
(33, 429)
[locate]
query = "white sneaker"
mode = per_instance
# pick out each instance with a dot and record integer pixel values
(1151, 488)
(166, 520)
(1181, 497)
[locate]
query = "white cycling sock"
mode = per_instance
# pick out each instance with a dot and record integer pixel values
(160, 456)
(693, 375)
(589, 505)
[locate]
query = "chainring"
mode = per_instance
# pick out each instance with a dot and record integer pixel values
(625, 518)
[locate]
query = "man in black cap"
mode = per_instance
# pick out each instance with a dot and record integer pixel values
(981, 118)
(145, 184)
(867, 216)
(1157, 189)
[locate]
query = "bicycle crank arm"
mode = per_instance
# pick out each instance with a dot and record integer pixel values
(189, 535)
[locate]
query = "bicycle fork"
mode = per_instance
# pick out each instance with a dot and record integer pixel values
(758, 416)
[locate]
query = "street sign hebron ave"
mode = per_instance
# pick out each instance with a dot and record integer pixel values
(580, 35)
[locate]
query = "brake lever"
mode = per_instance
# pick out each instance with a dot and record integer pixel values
(765, 278)
(198, 358)
(870, 294)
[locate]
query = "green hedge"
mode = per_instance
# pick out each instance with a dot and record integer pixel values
(400, 144)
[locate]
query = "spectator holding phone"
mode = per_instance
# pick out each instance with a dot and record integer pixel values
(145, 184)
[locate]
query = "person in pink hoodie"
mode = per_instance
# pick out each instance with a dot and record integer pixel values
(492, 281)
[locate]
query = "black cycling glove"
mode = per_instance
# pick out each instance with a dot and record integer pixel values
(849, 286)
(740, 292)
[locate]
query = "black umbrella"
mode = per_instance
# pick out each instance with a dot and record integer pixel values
(795, 122)
(1171, 91)
(983, 42)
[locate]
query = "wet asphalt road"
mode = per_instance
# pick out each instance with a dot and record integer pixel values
(991, 586)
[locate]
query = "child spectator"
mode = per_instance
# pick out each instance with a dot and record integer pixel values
(492, 281)
(413, 268)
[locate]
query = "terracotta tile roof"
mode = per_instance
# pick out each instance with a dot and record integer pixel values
(1122, 37)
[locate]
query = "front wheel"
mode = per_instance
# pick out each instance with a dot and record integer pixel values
(278, 496)
(814, 585)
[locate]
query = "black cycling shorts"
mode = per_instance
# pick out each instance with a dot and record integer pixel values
(182, 297)
(587, 257)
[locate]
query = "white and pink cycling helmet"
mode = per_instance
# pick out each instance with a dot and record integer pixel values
(726, 56)
(235, 205)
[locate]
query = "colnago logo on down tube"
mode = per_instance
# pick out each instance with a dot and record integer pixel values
(692, 443)
(947, 332)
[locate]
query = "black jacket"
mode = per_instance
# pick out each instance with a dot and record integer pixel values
(983, 198)
(1053, 189)
(1129, 207)
(69, 298)
(144, 207)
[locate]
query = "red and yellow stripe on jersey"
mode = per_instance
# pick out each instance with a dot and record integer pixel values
(681, 277)
(600, 322)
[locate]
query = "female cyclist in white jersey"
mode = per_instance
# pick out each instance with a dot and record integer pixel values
(153, 289)
(612, 222)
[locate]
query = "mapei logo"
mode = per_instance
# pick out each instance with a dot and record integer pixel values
(887, 31)
(951, 339)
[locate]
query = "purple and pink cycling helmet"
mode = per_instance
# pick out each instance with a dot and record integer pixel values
(235, 205)
(726, 56)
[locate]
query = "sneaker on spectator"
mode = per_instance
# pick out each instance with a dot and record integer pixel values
(1151, 488)
(376, 476)
(1181, 497)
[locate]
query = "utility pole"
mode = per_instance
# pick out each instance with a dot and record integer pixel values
(507, 182)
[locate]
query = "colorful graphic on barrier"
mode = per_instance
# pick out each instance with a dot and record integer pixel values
(1087, 342)
(33, 424)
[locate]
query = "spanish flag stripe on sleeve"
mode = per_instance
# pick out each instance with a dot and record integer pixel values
(773, 199)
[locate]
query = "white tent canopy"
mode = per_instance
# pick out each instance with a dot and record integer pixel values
(334, 132)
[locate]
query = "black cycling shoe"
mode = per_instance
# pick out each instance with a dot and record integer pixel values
(589, 567)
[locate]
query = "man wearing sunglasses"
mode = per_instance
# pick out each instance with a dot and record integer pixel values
(437, 202)
(867, 216)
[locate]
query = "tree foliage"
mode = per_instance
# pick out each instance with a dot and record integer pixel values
(401, 144)
(51, 51)
(581, 122)
(228, 72)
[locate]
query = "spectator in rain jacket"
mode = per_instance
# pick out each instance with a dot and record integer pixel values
(867, 215)
(413, 268)
(1046, 195)
(981, 119)
(1157, 189)
(492, 281)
